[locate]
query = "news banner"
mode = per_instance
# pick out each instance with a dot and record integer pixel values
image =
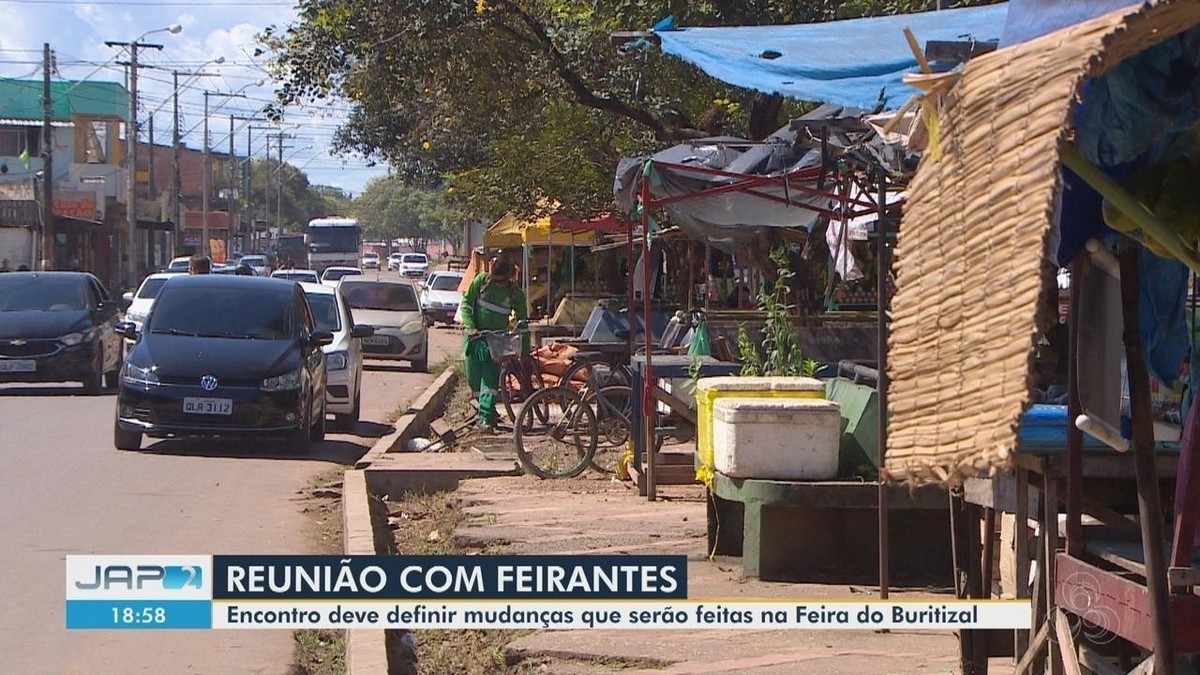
(459, 592)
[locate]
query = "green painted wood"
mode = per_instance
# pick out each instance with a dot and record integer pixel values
(859, 450)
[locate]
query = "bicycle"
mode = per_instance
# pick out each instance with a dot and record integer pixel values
(560, 432)
(520, 376)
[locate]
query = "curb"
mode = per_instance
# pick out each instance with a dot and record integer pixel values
(366, 649)
(418, 416)
(364, 517)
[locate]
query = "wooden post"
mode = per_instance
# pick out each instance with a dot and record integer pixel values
(1021, 552)
(881, 327)
(648, 382)
(1145, 469)
(1074, 434)
(1050, 552)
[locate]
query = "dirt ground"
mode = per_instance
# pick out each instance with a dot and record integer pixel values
(593, 514)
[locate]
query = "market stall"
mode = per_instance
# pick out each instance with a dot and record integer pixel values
(1040, 163)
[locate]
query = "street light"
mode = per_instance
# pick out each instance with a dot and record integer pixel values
(131, 135)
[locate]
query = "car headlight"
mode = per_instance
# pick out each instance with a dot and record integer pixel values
(72, 339)
(415, 326)
(284, 382)
(336, 361)
(135, 374)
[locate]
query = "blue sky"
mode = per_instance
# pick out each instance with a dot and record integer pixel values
(77, 31)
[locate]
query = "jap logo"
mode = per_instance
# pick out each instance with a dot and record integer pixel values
(137, 577)
(208, 383)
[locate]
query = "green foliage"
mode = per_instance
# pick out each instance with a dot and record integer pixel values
(389, 209)
(783, 355)
(301, 201)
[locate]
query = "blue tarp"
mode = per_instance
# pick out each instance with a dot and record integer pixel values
(848, 62)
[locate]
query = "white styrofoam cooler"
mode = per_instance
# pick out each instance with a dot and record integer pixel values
(782, 439)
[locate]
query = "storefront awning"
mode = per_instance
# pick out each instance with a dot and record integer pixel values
(514, 232)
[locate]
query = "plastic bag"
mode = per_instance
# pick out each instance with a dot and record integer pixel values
(700, 345)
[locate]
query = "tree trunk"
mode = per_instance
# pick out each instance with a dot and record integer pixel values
(764, 115)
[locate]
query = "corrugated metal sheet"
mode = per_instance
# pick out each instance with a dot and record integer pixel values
(22, 99)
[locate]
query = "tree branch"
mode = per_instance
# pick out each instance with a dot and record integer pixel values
(583, 93)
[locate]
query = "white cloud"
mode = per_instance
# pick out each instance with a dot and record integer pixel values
(208, 32)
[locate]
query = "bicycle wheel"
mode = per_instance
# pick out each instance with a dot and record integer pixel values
(517, 384)
(564, 445)
(614, 406)
(606, 375)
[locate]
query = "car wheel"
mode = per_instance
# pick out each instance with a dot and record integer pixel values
(126, 440)
(316, 432)
(347, 421)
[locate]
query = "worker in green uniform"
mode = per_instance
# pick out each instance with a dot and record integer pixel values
(489, 303)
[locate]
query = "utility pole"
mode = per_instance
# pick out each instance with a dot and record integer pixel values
(204, 196)
(151, 196)
(177, 179)
(47, 162)
(234, 194)
(131, 135)
(279, 194)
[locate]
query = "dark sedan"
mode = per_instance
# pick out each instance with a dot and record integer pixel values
(58, 327)
(225, 356)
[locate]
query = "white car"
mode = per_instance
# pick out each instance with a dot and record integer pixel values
(178, 265)
(332, 275)
(393, 309)
(138, 305)
(370, 261)
(343, 356)
(257, 262)
(414, 264)
(393, 263)
(307, 276)
(440, 297)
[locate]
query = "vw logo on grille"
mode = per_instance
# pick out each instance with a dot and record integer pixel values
(16, 343)
(208, 383)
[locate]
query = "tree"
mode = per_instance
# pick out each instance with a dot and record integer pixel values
(391, 209)
(518, 101)
(300, 201)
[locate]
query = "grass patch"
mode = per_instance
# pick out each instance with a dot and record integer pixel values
(319, 652)
(424, 524)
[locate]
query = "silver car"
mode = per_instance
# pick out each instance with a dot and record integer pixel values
(393, 309)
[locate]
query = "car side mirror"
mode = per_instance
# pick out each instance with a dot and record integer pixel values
(362, 330)
(127, 298)
(127, 329)
(320, 338)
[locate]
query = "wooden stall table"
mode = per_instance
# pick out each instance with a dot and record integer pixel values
(682, 471)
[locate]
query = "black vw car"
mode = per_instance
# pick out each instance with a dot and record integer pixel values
(58, 327)
(224, 356)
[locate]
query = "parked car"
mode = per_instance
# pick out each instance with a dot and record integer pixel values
(343, 356)
(393, 309)
(332, 275)
(58, 327)
(393, 263)
(440, 297)
(224, 356)
(307, 276)
(370, 261)
(178, 265)
(138, 305)
(258, 263)
(414, 264)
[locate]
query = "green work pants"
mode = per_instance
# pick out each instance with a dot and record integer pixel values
(483, 376)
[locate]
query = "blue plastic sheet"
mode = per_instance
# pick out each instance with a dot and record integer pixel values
(850, 63)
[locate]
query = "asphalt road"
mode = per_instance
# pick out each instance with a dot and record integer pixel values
(66, 490)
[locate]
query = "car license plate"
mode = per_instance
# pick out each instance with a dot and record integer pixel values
(208, 406)
(18, 366)
(378, 340)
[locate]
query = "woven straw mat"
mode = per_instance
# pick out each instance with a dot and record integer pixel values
(970, 255)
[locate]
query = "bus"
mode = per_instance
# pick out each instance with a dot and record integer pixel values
(334, 241)
(292, 251)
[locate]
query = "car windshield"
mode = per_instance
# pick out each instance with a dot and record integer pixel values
(325, 311)
(296, 276)
(383, 296)
(372, 256)
(150, 288)
(334, 275)
(234, 312)
(178, 266)
(445, 282)
(42, 294)
(254, 260)
(415, 258)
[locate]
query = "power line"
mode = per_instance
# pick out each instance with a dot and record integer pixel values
(151, 3)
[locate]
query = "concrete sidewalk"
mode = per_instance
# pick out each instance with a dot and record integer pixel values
(593, 515)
